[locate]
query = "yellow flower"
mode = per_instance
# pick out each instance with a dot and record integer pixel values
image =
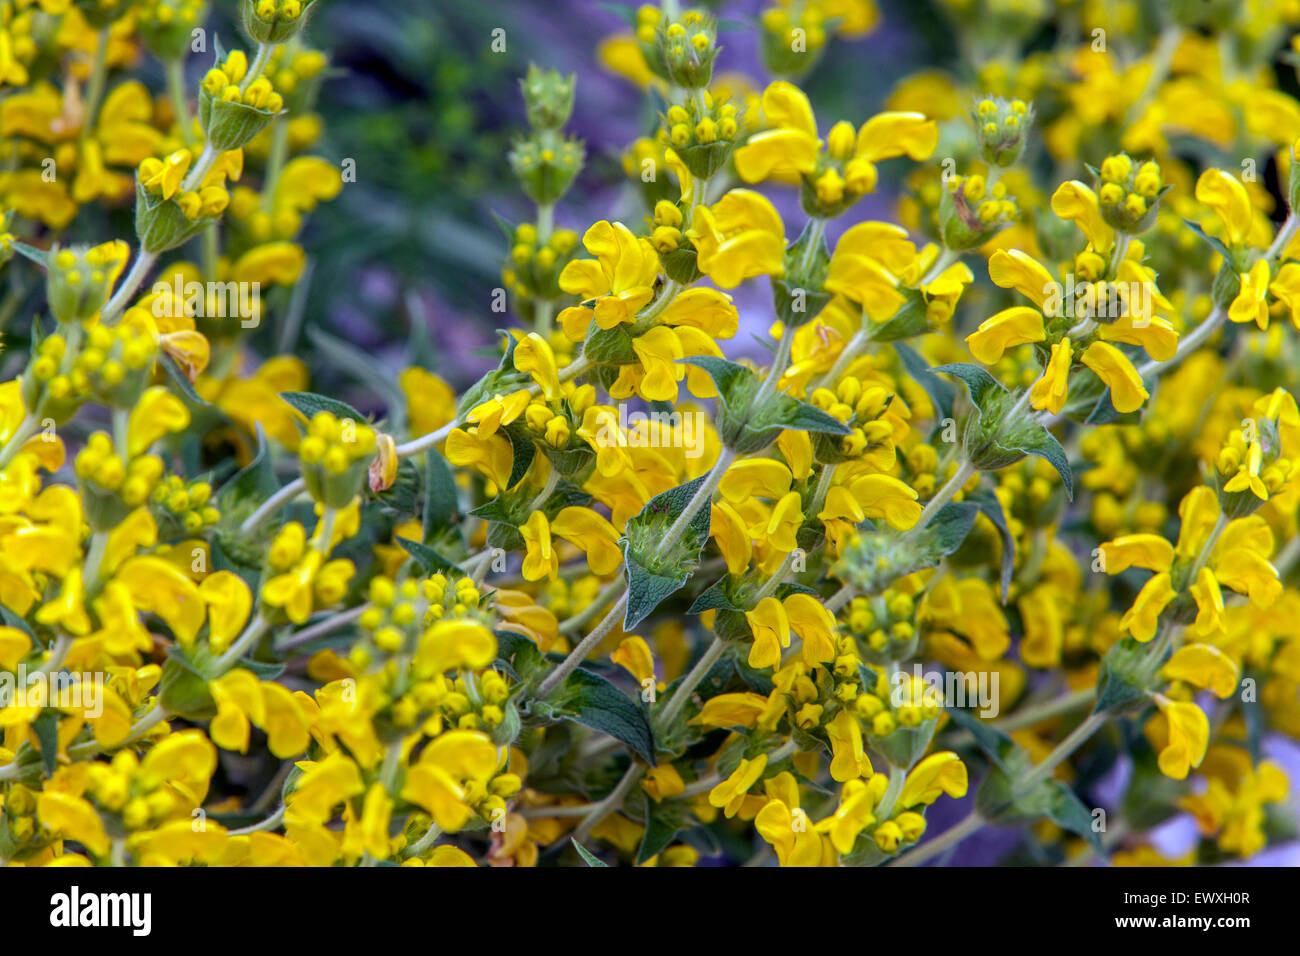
(1205, 666)
(437, 782)
(884, 496)
(633, 655)
(1017, 325)
(158, 413)
(533, 356)
(663, 783)
(856, 812)
(1225, 194)
(771, 629)
(1188, 736)
(1051, 390)
(814, 625)
(430, 402)
(739, 237)
(1286, 289)
(849, 760)
(72, 817)
(621, 278)
(790, 149)
(784, 825)
(452, 644)
(1251, 303)
(1143, 617)
(1149, 551)
(1127, 393)
(866, 264)
(729, 795)
(731, 710)
(541, 559)
(324, 784)
(731, 534)
(1079, 204)
(937, 774)
(229, 602)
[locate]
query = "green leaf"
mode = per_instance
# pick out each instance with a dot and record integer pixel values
(978, 382)
(9, 619)
(181, 381)
(717, 597)
(950, 526)
(1067, 811)
(791, 413)
(746, 430)
(1034, 439)
(1005, 441)
(729, 377)
(992, 509)
(941, 393)
(1215, 244)
(524, 451)
(910, 320)
(429, 560)
(254, 483)
(309, 403)
(39, 256)
(46, 726)
(595, 702)
(656, 567)
(520, 656)
(441, 501)
(183, 688)
(663, 821)
(590, 858)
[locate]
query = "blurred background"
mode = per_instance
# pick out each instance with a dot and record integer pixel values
(428, 111)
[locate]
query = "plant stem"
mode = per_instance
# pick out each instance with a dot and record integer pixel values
(585, 616)
(1069, 745)
(24, 431)
(944, 495)
(703, 496)
(610, 803)
(270, 823)
(95, 89)
(585, 646)
(948, 838)
(335, 622)
(117, 304)
(251, 635)
(687, 687)
(180, 102)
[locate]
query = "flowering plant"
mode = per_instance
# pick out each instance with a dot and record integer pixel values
(1004, 513)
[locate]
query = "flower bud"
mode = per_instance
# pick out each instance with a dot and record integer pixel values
(688, 48)
(232, 114)
(275, 21)
(546, 164)
(548, 97)
(970, 214)
(1129, 193)
(80, 279)
(1001, 128)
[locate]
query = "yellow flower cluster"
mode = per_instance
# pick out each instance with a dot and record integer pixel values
(1012, 482)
